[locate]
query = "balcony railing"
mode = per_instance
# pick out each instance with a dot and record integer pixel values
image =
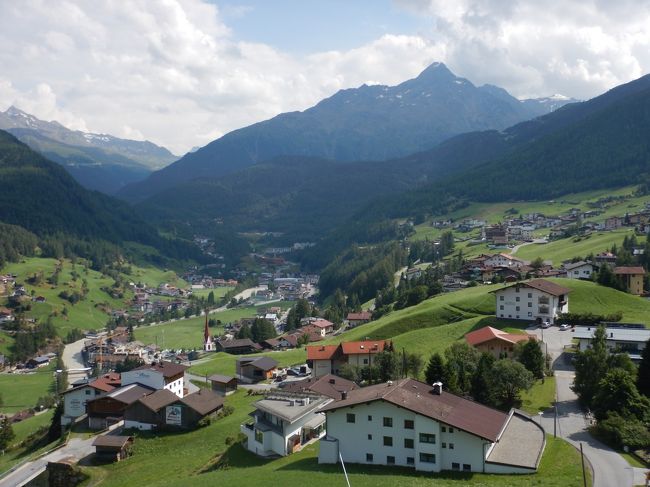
(543, 300)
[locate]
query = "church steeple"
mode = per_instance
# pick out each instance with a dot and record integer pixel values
(208, 344)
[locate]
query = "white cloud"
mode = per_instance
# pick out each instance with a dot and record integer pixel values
(580, 48)
(171, 71)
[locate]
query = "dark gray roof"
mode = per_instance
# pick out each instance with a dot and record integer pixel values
(264, 363)
(112, 440)
(203, 401)
(222, 379)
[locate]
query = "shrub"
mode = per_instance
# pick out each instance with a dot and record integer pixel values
(618, 431)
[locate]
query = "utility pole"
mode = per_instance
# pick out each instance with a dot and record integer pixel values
(584, 474)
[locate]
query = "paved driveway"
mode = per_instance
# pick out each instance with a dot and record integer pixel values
(610, 469)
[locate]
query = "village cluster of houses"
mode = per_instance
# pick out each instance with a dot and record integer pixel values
(521, 228)
(487, 268)
(115, 348)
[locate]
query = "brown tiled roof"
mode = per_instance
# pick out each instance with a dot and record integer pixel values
(418, 397)
(364, 315)
(488, 333)
(541, 285)
(264, 363)
(328, 385)
(239, 342)
(368, 346)
(222, 379)
(203, 401)
(159, 399)
(128, 394)
(321, 352)
(629, 270)
(112, 440)
(168, 369)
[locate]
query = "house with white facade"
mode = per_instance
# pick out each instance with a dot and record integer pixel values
(159, 375)
(504, 260)
(579, 270)
(630, 339)
(535, 300)
(75, 398)
(283, 423)
(411, 424)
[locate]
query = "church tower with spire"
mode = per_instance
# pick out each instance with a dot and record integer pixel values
(208, 344)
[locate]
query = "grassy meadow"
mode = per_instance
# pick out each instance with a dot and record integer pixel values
(21, 391)
(207, 458)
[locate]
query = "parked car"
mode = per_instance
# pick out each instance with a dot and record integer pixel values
(546, 324)
(564, 327)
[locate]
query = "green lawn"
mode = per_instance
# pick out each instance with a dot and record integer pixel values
(205, 460)
(188, 333)
(21, 391)
(6, 342)
(567, 248)
(22, 430)
(540, 397)
(218, 292)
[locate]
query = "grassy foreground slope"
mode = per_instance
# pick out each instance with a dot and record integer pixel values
(203, 458)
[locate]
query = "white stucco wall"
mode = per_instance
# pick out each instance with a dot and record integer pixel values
(321, 367)
(529, 306)
(74, 403)
(354, 443)
(144, 377)
(138, 425)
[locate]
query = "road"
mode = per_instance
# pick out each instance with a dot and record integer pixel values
(76, 448)
(610, 469)
(514, 249)
(73, 360)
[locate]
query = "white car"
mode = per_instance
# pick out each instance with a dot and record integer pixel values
(546, 324)
(564, 327)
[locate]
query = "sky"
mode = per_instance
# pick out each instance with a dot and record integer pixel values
(182, 73)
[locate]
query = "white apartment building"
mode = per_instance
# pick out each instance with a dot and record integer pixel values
(504, 260)
(160, 375)
(412, 424)
(284, 423)
(539, 300)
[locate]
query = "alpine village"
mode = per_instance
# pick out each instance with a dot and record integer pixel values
(419, 280)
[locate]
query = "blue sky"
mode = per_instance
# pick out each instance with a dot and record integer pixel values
(304, 27)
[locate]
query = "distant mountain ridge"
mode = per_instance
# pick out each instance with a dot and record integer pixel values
(97, 161)
(366, 123)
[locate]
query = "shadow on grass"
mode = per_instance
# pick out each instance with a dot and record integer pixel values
(236, 456)
(312, 465)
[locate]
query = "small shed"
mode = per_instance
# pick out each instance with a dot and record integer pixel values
(223, 384)
(113, 448)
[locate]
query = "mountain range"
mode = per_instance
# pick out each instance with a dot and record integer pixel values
(97, 161)
(367, 123)
(40, 196)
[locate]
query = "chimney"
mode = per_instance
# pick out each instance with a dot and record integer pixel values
(344, 395)
(437, 388)
(332, 381)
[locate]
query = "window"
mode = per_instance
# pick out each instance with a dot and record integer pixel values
(530, 295)
(368, 457)
(88, 391)
(408, 424)
(350, 417)
(517, 309)
(455, 466)
(408, 442)
(388, 441)
(369, 436)
(365, 361)
(444, 445)
(516, 289)
(410, 461)
(388, 422)
(427, 458)
(390, 460)
(443, 429)
(530, 305)
(501, 307)
(517, 299)
(451, 446)
(467, 467)
(427, 438)
(259, 436)
(369, 417)
(530, 314)
(451, 430)
(501, 298)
